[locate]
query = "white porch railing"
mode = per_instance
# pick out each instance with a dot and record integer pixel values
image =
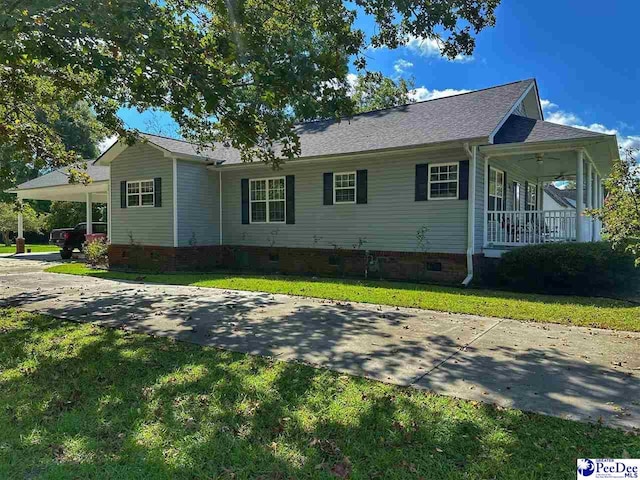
(525, 227)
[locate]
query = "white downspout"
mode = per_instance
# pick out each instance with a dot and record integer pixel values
(220, 204)
(471, 212)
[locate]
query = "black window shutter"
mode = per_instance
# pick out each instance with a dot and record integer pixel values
(244, 185)
(291, 199)
(504, 191)
(421, 181)
(123, 194)
(526, 195)
(157, 189)
(328, 188)
(361, 186)
(463, 182)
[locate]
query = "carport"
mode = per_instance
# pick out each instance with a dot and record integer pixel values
(55, 186)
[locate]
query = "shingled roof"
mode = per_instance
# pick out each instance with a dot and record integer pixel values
(59, 177)
(519, 129)
(460, 117)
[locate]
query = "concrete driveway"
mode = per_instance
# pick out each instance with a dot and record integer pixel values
(569, 372)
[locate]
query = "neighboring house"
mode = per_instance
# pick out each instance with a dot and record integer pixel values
(555, 198)
(421, 191)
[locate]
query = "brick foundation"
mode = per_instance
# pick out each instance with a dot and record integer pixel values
(422, 267)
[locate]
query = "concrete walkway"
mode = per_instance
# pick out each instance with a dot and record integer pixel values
(569, 372)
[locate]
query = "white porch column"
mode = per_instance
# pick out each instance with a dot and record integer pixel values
(109, 201)
(589, 220)
(580, 196)
(594, 201)
(89, 214)
(539, 194)
(20, 225)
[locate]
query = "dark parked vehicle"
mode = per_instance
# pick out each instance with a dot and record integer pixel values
(70, 239)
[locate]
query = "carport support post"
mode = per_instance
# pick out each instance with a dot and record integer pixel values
(89, 214)
(589, 220)
(579, 196)
(20, 239)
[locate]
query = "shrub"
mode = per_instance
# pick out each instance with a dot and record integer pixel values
(568, 268)
(96, 252)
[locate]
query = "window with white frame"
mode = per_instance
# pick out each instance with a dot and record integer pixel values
(496, 189)
(344, 187)
(443, 181)
(267, 200)
(532, 197)
(141, 193)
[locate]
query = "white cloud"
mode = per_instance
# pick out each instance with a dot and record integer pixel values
(104, 145)
(553, 113)
(422, 93)
(401, 65)
(430, 47)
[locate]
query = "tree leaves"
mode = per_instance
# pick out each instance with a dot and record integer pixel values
(240, 72)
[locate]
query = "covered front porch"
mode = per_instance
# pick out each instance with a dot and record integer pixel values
(55, 186)
(516, 173)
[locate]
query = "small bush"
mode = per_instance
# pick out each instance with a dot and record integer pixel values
(96, 252)
(568, 268)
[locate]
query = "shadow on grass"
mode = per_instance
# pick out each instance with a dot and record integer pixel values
(200, 279)
(81, 401)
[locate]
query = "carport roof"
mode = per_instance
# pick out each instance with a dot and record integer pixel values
(60, 177)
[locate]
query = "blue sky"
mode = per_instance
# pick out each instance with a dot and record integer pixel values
(584, 55)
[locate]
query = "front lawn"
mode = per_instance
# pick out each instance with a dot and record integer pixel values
(81, 401)
(583, 311)
(34, 248)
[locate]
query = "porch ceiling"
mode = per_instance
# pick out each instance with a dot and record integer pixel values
(557, 159)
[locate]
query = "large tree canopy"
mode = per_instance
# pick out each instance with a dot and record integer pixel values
(238, 71)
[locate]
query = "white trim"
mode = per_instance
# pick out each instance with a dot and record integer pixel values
(89, 214)
(109, 202)
(471, 211)
(139, 194)
(533, 187)
(220, 203)
(511, 110)
(175, 202)
(485, 202)
(579, 195)
(267, 200)
(355, 187)
(457, 180)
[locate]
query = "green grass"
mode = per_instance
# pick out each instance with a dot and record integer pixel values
(34, 248)
(583, 311)
(81, 401)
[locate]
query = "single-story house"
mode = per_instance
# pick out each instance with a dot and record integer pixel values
(421, 191)
(555, 198)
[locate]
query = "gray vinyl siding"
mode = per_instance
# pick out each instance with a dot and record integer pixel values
(146, 225)
(389, 221)
(514, 174)
(198, 207)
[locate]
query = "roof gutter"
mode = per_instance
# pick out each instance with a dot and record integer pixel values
(471, 211)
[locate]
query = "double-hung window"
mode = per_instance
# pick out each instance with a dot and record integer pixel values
(532, 194)
(344, 187)
(443, 181)
(496, 189)
(140, 193)
(267, 200)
